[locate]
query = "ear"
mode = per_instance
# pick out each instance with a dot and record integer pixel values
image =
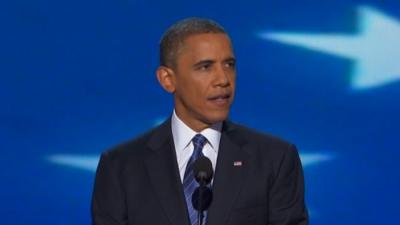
(166, 78)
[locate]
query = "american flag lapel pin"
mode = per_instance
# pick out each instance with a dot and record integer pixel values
(237, 163)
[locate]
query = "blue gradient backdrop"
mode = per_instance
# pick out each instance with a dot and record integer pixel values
(77, 77)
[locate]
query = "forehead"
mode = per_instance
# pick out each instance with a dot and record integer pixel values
(214, 45)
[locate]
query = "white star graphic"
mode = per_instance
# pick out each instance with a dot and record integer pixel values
(308, 159)
(375, 49)
(84, 162)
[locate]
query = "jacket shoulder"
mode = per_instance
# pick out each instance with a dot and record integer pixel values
(136, 147)
(244, 135)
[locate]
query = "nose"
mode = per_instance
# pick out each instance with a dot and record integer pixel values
(221, 77)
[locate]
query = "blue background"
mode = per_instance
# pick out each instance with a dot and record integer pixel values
(77, 77)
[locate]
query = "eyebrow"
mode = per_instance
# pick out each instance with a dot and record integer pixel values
(230, 59)
(204, 62)
(210, 61)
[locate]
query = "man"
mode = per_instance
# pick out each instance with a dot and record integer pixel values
(148, 181)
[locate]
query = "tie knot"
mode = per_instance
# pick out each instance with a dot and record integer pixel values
(199, 141)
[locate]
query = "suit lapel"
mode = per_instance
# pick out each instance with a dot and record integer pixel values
(229, 177)
(164, 175)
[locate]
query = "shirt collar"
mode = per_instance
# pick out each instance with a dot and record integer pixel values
(183, 134)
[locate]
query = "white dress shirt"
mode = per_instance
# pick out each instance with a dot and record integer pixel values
(183, 135)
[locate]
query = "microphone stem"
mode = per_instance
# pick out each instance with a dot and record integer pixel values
(200, 215)
(200, 219)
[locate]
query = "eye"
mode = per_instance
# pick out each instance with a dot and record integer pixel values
(205, 67)
(230, 64)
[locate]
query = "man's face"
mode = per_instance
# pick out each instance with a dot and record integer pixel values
(204, 80)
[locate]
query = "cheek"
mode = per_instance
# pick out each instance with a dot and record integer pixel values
(198, 85)
(233, 78)
(190, 94)
(194, 88)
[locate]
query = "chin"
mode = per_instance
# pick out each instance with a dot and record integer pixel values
(217, 117)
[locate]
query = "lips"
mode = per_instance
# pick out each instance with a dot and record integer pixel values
(220, 99)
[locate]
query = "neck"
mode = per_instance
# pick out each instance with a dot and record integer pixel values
(197, 125)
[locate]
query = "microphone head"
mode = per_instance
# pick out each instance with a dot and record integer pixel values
(202, 198)
(202, 170)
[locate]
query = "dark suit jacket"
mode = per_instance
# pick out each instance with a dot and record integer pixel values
(138, 183)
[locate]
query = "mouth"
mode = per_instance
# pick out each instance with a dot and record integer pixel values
(220, 100)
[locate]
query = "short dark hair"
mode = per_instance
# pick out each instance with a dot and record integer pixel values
(173, 38)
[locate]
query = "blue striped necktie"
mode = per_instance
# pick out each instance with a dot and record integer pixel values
(189, 182)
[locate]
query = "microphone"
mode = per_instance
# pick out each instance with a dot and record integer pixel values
(202, 196)
(203, 171)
